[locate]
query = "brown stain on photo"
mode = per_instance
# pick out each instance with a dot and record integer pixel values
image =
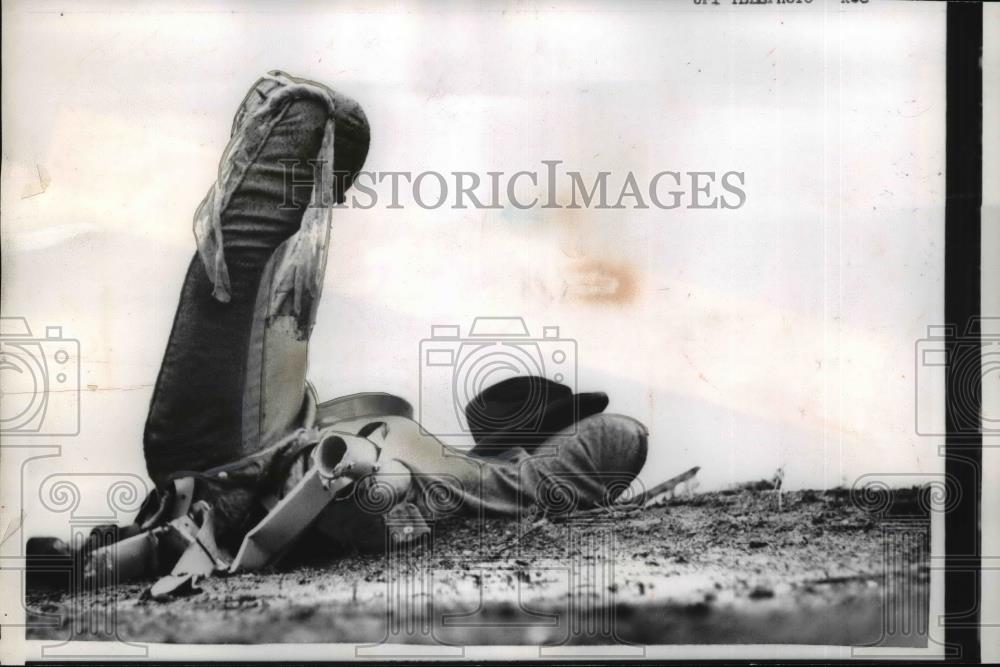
(601, 281)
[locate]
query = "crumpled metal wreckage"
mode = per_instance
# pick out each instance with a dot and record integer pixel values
(337, 482)
(246, 461)
(176, 534)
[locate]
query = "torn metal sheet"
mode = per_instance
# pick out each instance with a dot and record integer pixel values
(338, 461)
(302, 266)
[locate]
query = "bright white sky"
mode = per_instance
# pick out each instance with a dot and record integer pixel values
(782, 333)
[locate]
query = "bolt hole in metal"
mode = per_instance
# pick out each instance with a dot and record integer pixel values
(331, 452)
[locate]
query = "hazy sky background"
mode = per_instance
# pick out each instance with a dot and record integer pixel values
(779, 334)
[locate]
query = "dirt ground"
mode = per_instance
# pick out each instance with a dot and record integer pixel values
(747, 566)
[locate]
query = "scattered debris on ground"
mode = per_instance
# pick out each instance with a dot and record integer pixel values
(736, 566)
